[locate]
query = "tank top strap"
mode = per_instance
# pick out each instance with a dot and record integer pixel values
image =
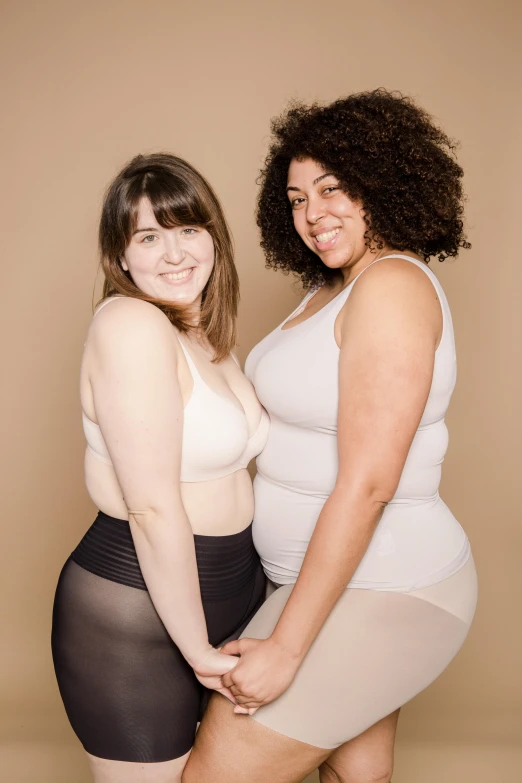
(349, 286)
(419, 264)
(414, 261)
(300, 307)
(337, 303)
(447, 324)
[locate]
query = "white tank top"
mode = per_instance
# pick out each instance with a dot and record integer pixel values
(417, 542)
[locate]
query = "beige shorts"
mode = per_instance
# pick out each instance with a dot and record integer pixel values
(375, 652)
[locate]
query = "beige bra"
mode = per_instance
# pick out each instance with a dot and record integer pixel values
(215, 442)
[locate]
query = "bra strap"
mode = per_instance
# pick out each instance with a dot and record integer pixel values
(106, 302)
(190, 361)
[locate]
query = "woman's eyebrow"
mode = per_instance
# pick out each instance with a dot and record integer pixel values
(143, 229)
(328, 174)
(323, 176)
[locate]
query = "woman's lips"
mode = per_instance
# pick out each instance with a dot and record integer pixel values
(326, 239)
(177, 278)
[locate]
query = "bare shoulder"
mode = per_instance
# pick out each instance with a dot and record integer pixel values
(130, 323)
(395, 277)
(396, 293)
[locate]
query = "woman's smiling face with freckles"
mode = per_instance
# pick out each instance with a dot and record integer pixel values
(325, 217)
(172, 264)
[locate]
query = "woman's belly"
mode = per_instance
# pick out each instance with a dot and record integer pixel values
(416, 543)
(215, 508)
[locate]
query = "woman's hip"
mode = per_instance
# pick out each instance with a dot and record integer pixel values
(375, 652)
(229, 573)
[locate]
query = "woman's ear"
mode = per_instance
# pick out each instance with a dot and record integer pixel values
(123, 264)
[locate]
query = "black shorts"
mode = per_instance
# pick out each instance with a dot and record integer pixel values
(128, 692)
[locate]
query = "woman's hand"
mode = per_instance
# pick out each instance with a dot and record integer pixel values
(265, 670)
(210, 669)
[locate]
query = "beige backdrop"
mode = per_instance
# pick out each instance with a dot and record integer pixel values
(89, 84)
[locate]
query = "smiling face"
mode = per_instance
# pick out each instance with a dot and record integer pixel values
(325, 217)
(173, 264)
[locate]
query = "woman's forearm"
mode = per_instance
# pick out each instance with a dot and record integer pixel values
(340, 539)
(165, 547)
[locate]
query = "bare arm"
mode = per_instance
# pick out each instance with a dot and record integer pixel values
(390, 329)
(139, 408)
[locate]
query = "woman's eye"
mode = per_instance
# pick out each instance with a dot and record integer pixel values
(189, 231)
(330, 188)
(296, 202)
(149, 238)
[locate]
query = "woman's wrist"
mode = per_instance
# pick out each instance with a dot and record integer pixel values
(292, 647)
(197, 658)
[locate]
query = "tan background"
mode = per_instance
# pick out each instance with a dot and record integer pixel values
(87, 86)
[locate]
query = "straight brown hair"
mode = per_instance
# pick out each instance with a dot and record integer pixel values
(179, 196)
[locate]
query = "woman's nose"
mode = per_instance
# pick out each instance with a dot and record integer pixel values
(174, 253)
(315, 210)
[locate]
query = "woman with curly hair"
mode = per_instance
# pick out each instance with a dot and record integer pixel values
(375, 583)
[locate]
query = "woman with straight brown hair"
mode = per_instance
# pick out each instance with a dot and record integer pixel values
(168, 570)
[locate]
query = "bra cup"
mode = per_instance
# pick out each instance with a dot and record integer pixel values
(215, 441)
(215, 435)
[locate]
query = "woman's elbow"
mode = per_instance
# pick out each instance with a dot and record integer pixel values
(367, 493)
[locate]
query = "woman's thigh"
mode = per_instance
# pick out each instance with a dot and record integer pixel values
(106, 771)
(232, 748)
(376, 651)
(129, 694)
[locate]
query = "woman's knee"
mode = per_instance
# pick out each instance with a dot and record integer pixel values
(357, 771)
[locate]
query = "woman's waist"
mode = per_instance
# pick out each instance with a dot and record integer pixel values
(225, 563)
(221, 506)
(300, 507)
(218, 507)
(412, 541)
(314, 488)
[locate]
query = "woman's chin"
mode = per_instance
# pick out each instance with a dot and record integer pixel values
(184, 298)
(333, 261)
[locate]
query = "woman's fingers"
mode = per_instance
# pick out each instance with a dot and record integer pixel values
(247, 701)
(241, 710)
(227, 680)
(232, 648)
(239, 646)
(228, 695)
(240, 699)
(247, 706)
(244, 711)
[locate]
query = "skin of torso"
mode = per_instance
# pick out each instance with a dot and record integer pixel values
(221, 506)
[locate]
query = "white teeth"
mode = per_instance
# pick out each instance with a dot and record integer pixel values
(178, 275)
(327, 235)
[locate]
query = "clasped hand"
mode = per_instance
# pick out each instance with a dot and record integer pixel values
(264, 671)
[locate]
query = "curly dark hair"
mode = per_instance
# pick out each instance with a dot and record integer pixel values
(387, 154)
